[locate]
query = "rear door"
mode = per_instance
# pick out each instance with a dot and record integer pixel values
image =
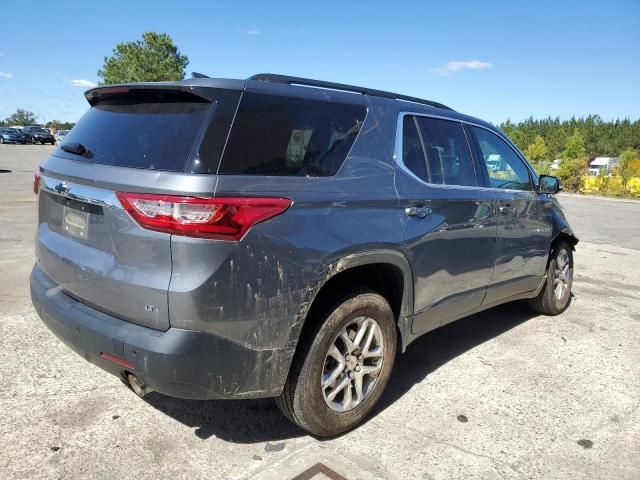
(524, 218)
(86, 242)
(449, 229)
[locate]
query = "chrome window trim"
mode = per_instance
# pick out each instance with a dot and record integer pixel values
(397, 152)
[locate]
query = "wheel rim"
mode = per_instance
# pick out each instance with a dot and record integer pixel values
(562, 274)
(352, 364)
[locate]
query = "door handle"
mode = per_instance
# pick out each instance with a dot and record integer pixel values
(507, 209)
(419, 212)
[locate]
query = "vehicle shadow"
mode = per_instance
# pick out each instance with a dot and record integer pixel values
(256, 421)
(436, 348)
(236, 421)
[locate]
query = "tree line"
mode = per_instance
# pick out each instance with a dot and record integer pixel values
(576, 142)
(600, 138)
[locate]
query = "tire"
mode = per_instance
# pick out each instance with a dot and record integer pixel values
(559, 272)
(304, 401)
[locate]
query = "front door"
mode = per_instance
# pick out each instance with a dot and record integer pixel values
(449, 224)
(524, 219)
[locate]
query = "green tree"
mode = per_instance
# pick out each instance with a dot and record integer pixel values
(155, 58)
(21, 117)
(571, 172)
(628, 165)
(537, 151)
(574, 148)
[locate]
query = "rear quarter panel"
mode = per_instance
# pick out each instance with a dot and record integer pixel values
(257, 291)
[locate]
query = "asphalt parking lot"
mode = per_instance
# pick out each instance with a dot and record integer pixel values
(503, 394)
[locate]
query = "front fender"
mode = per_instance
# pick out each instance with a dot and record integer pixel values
(561, 224)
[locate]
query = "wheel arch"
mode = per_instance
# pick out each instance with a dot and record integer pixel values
(567, 235)
(360, 270)
(380, 259)
(561, 227)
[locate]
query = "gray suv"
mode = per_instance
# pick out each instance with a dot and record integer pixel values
(283, 237)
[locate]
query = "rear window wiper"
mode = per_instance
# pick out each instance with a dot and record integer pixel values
(78, 149)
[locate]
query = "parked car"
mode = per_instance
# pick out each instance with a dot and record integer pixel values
(59, 136)
(13, 135)
(40, 135)
(283, 237)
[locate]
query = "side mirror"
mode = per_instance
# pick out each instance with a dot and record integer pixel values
(549, 184)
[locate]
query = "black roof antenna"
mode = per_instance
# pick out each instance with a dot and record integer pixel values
(198, 75)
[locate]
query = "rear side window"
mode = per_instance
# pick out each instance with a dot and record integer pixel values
(437, 151)
(156, 132)
(275, 135)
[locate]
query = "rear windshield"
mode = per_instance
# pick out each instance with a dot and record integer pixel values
(152, 132)
(275, 135)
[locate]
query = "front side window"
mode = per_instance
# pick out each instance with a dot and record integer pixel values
(276, 135)
(505, 168)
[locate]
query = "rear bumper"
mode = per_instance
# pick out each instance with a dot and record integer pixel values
(178, 363)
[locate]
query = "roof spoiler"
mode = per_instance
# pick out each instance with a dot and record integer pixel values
(98, 94)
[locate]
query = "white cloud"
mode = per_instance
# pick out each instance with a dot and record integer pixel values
(252, 32)
(455, 66)
(6, 74)
(83, 83)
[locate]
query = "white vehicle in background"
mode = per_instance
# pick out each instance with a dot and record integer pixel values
(603, 166)
(59, 136)
(494, 162)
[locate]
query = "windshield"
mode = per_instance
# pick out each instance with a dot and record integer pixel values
(39, 130)
(147, 132)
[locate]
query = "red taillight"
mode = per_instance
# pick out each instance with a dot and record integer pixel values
(36, 183)
(226, 218)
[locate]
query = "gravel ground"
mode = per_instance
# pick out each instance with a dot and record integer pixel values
(503, 394)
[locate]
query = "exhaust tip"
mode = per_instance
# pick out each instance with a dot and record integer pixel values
(138, 386)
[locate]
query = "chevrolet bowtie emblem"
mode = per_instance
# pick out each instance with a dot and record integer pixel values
(62, 188)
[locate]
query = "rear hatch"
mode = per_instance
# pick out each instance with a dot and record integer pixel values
(133, 139)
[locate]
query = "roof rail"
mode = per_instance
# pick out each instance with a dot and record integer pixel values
(275, 78)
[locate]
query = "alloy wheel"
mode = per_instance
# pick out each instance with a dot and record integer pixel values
(562, 274)
(352, 364)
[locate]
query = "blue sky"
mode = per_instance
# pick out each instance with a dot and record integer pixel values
(491, 59)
